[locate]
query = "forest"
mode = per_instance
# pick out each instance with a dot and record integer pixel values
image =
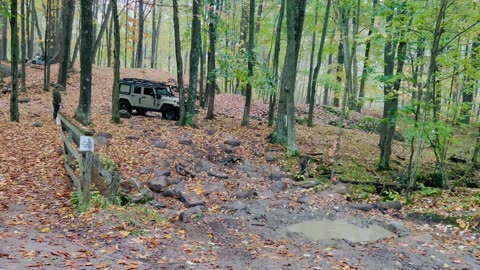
(289, 111)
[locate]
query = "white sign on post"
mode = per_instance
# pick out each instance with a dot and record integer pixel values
(86, 144)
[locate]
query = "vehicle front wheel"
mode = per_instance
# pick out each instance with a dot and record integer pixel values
(170, 113)
(124, 105)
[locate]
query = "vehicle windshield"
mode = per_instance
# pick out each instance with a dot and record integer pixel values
(163, 91)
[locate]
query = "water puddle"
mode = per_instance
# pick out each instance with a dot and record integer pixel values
(339, 229)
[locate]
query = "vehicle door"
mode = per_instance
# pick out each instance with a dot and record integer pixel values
(148, 99)
(137, 96)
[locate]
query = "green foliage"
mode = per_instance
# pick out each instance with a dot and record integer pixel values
(107, 163)
(369, 124)
(96, 201)
(352, 171)
(429, 191)
(299, 177)
(362, 192)
(137, 233)
(301, 121)
(277, 138)
(137, 215)
(476, 199)
(391, 196)
(233, 66)
(430, 180)
(292, 154)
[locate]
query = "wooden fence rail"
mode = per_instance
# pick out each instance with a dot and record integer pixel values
(85, 167)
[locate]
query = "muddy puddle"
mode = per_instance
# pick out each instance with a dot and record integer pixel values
(339, 229)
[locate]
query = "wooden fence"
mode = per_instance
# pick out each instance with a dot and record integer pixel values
(85, 168)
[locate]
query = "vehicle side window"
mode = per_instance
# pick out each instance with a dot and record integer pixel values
(124, 89)
(148, 91)
(137, 90)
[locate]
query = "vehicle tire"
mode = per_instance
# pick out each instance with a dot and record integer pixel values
(124, 105)
(170, 113)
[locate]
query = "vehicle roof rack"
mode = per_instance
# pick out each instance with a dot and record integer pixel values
(136, 80)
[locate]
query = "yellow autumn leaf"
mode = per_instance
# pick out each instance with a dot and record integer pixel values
(45, 230)
(181, 231)
(462, 223)
(102, 265)
(199, 190)
(124, 233)
(168, 236)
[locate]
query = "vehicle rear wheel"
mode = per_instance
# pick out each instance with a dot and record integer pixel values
(124, 105)
(170, 113)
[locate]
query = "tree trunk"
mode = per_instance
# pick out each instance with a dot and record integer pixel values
(276, 56)
(390, 102)
(194, 59)
(154, 34)
(134, 44)
(75, 52)
(30, 29)
(68, 14)
(4, 47)
(327, 88)
(312, 56)
(259, 17)
(347, 58)
(157, 36)
(86, 26)
(239, 87)
(354, 64)
(110, 31)
(250, 60)
(285, 131)
(390, 90)
(47, 44)
(14, 112)
(23, 44)
(103, 27)
(468, 88)
(340, 62)
(211, 76)
(203, 52)
(37, 26)
(125, 46)
(178, 54)
(313, 84)
(366, 62)
(432, 89)
(116, 63)
(141, 23)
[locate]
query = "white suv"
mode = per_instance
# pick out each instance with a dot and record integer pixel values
(145, 95)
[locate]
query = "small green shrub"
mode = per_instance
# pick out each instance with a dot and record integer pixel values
(476, 198)
(96, 201)
(429, 191)
(301, 121)
(391, 196)
(107, 162)
(369, 124)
